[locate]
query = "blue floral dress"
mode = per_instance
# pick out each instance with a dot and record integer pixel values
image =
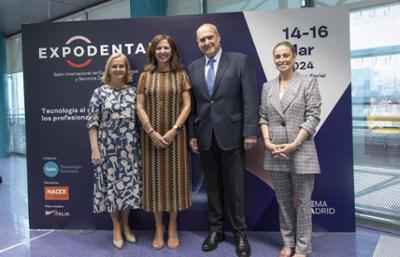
(117, 181)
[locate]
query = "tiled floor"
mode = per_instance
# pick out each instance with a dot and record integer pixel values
(17, 240)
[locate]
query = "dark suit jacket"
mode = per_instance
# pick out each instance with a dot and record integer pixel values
(231, 112)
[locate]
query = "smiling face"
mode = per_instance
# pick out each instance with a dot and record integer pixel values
(163, 52)
(208, 40)
(118, 69)
(284, 58)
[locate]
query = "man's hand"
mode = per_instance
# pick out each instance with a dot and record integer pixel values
(193, 145)
(249, 142)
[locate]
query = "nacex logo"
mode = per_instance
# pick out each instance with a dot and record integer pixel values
(59, 193)
(79, 50)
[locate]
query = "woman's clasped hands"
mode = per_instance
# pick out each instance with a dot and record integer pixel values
(281, 151)
(161, 142)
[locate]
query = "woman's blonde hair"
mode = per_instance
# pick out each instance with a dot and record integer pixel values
(106, 78)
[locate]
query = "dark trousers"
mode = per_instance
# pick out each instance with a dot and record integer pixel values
(224, 176)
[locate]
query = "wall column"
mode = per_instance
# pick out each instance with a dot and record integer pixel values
(4, 131)
(143, 8)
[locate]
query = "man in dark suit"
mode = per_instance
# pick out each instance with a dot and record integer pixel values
(222, 125)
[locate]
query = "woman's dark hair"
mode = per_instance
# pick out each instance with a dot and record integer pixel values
(175, 63)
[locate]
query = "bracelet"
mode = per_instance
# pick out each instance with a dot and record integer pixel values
(151, 130)
(148, 128)
(176, 128)
(297, 143)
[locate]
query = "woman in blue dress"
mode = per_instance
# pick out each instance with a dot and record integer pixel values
(114, 142)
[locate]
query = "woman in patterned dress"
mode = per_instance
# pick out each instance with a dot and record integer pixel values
(163, 104)
(114, 141)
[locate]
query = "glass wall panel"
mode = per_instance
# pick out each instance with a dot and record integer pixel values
(111, 10)
(240, 5)
(184, 7)
(178, 7)
(375, 27)
(16, 112)
(14, 54)
(375, 65)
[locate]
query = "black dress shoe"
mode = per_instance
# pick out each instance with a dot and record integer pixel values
(212, 241)
(242, 246)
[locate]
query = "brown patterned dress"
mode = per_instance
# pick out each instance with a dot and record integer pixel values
(166, 184)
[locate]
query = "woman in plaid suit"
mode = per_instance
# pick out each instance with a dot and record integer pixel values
(289, 114)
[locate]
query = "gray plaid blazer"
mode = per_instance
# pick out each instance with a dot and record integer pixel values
(300, 107)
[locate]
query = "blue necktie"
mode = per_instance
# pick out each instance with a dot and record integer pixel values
(210, 75)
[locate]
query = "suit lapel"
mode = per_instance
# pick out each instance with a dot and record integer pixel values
(201, 75)
(291, 92)
(274, 96)
(222, 66)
